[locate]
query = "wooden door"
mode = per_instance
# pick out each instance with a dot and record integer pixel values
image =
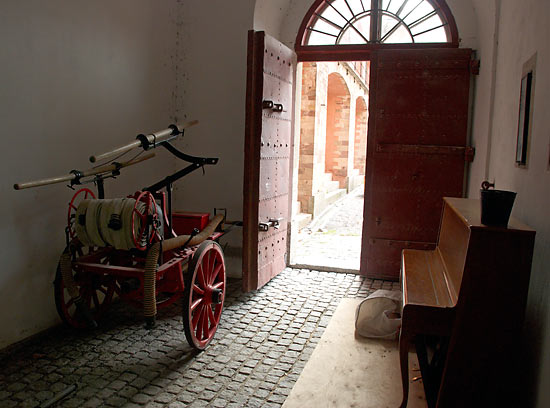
(416, 151)
(269, 112)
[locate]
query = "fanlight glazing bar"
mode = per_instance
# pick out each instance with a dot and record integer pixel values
(349, 23)
(394, 28)
(430, 29)
(403, 6)
(322, 32)
(413, 9)
(401, 21)
(332, 23)
(422, 19)
(349, 7)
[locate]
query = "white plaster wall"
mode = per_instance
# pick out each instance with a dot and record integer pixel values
(77, 77)
(466, 22)
(482, 113)
(214, 44)
(268, 16)
(525, 30)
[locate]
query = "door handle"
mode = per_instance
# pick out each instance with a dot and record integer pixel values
(273, 222)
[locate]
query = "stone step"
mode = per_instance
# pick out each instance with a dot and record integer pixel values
(327, 177)
(356, 181)
(301, 220)
(331, 186)
(333, 196)
(296, 208)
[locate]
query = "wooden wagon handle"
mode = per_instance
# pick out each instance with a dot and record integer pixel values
(91, 172)
(153, 138)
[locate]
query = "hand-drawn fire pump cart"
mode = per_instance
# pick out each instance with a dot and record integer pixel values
(136, 249)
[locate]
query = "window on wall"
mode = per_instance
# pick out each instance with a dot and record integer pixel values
(341, 22)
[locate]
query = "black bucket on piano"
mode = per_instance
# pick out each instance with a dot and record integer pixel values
(496, 207)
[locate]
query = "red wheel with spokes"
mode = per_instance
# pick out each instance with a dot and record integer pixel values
(82, 194)
(97, 290)
(145, 210)
(204, 294)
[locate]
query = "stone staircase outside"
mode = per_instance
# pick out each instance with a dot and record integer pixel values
(332, 240)
(328, 195)
(355, 180)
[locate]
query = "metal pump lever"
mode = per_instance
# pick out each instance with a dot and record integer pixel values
(273, 222)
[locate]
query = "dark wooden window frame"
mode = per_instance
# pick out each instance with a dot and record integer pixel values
(352, 52)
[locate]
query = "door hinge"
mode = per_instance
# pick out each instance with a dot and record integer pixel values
(474, 66)
(469, 153)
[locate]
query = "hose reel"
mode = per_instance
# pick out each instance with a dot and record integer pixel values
(123, 223)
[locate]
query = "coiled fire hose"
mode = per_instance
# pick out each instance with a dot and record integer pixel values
(151, 265)
(109, 222)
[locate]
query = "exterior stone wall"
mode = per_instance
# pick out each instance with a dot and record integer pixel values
(307, 133)
(360, 141)
(338, 129)
(333, 132)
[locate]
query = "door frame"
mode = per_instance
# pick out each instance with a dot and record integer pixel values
(333, 56)
(325, 53)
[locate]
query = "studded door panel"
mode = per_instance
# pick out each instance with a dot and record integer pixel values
(416, 151)
(267, 158)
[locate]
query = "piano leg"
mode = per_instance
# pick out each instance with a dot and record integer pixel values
(404, 345)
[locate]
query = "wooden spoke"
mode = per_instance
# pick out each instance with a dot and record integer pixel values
(215, 273)
(197, 316)
(218, 285)
(198, 290)
(196, 303)
(211, 270)
(211, 317)
(70, 303)
(205, 324)
(200, 276)
(95, 299)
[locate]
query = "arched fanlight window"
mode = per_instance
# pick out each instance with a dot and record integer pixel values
(348, 22)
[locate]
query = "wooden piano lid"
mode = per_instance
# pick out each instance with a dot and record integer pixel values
(469, 210)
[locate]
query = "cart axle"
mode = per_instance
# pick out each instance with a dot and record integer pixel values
(217, 296)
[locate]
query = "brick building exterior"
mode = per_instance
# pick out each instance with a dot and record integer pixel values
(333, 133)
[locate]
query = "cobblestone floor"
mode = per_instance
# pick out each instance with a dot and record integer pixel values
(334, 239)
(263, 342)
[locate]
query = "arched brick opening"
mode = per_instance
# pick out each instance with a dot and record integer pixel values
(360, 140)
(338, 117)
(307, 135)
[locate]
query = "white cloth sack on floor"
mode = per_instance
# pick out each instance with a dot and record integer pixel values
(374, 316)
